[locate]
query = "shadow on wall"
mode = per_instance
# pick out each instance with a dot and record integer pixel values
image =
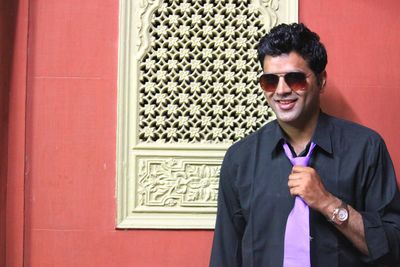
(333, 103)
(8, 18)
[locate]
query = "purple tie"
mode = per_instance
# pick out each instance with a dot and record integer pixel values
(297, 234)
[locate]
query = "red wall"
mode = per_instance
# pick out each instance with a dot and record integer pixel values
(13, 56)
(71, 134)
(5, 61)
(71, 122)
(362, 39)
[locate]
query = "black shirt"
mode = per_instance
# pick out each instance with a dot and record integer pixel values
(254, 200)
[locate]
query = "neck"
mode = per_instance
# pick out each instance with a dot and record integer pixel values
(300, 134)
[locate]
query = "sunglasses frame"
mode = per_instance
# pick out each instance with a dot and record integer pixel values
(295, 85)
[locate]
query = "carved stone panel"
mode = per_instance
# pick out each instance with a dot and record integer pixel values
(177, 182)
(187, 90)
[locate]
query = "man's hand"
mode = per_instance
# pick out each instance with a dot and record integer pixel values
(306, 183)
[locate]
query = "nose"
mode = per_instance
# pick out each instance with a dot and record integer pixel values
(282, 88)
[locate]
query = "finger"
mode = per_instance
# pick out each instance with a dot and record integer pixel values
(291, 184)
(294, 183)
(295, 176)
(298, 168)
(295, 191)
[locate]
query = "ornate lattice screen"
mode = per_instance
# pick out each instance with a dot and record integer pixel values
(187, 90)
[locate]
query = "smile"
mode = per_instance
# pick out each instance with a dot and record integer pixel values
(286, 104)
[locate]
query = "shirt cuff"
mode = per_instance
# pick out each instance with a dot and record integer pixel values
(375, 236)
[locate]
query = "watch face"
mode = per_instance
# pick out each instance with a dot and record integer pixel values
(342, 215)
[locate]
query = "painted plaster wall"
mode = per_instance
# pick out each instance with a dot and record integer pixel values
(13, 55)
(4, 84)
(71, 118)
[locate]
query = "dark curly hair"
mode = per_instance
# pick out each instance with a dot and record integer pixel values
(286, 38)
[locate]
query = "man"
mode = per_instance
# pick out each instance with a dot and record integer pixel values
(348, 187)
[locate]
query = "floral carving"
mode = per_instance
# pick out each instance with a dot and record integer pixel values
(176, 182)
(146, 9)
(269, 10)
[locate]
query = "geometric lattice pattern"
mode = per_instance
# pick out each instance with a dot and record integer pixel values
(187, 89)
(198, 79)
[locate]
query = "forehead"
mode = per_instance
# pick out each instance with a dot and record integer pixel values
(285, 63)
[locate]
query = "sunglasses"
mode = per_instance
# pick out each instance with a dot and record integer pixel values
(295, 80)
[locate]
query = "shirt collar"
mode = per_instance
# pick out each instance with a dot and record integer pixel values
(322, 134)
(278, 138)
(321, 137)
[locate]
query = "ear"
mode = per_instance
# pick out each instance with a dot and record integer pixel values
(322, 80)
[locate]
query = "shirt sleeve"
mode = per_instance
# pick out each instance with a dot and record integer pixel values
(229, 228)
(381, 216)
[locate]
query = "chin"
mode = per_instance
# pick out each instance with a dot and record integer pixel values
(286, 118)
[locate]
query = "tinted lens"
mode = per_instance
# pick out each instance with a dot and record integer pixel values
(296, 80)
(269, 82)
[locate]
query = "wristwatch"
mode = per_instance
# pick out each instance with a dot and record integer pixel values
(340, 215)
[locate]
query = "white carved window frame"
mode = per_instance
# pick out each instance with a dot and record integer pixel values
(161, 173)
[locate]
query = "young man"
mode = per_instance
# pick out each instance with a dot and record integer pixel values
(347, 184)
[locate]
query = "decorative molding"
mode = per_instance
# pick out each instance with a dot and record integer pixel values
(171, 191)
(146, 9)
(177, 182)
(269, 9)
(187, 90)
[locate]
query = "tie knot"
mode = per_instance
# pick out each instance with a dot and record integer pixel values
(300, 161)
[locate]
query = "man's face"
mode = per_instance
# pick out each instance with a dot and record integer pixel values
(295, 108)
